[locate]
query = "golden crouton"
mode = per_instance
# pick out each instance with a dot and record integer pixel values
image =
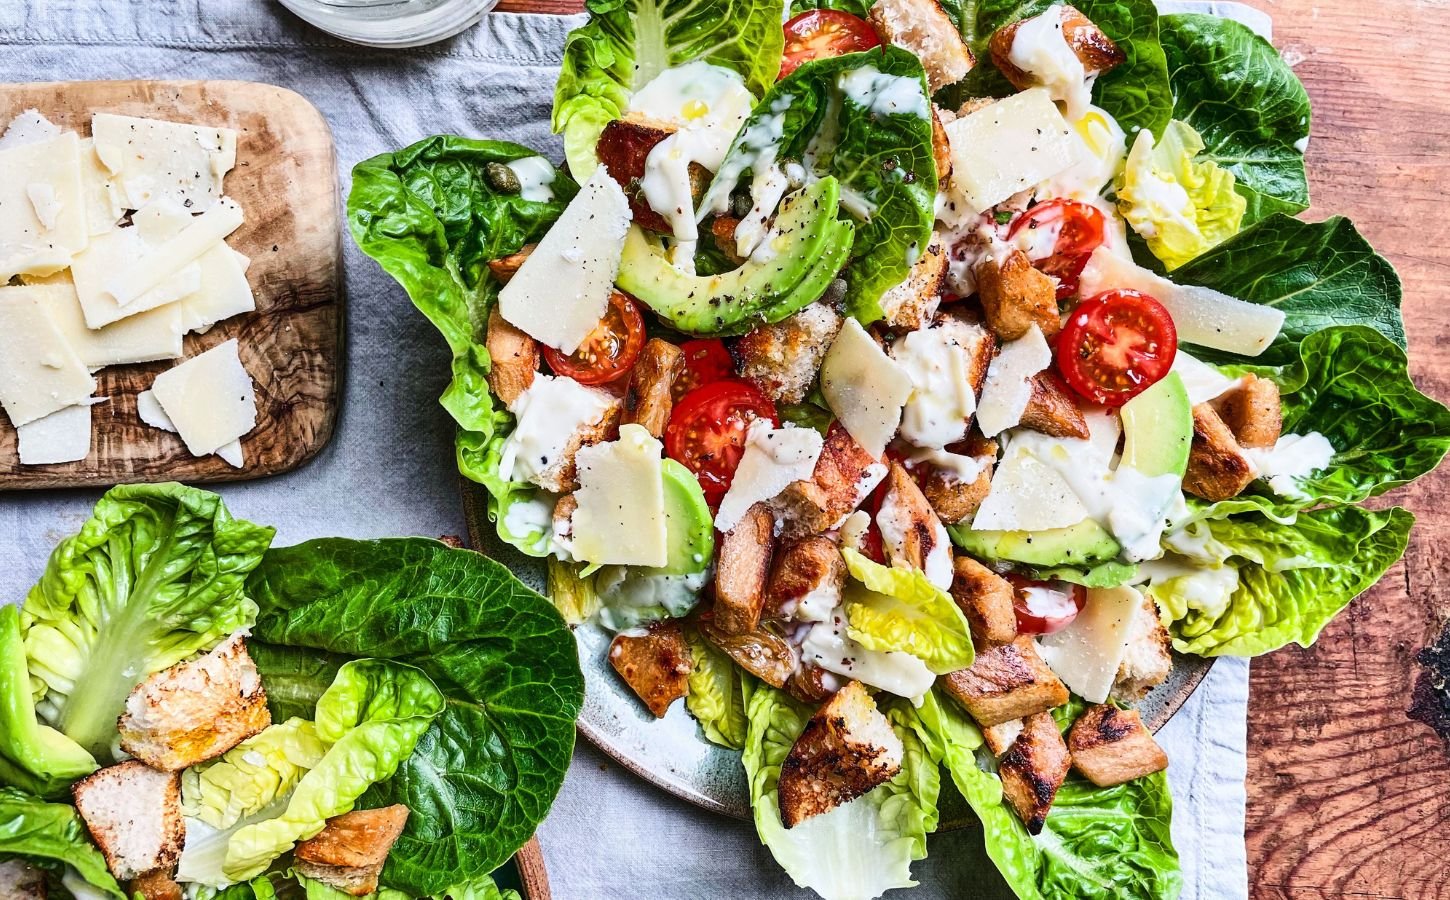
(1252, 412)
(152, 886)
(1095, 49)
(656, 665)
(1111, 746)
(761, 652)
(1148, 660)
(847, 748)
(925, 29)
(513, 358)
(564, 509)
(562, 474)
(504, 267)
(911, 533)
(648, 400)
(810, 571)
(741, 569)
(133, 813)
(21, 881)
(783, 359)
(913, 302)
(1015, 296)
(953, 499)
(1217, 466)
(349, 852)
(1008, 681)
(844, 475)
(941, 149)
(985, 598)
(624, 146)
(195, 711)
(1033, 768)
(1052, 410)
(999, 737)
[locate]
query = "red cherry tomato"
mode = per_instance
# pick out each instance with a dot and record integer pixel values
(1079, 230)
(1043, 607)
(823, 33)
(706, 362)
(706, 431)
(1116, 345)
(610, 350)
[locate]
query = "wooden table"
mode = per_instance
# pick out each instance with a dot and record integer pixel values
(1348, 796)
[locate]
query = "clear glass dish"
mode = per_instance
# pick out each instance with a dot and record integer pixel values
(391, 23)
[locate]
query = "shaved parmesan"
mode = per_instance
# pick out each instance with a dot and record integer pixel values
(620, 519)
(39, 372)
(222, 290)
(44, 202)
(61, 437)
(149, 336)
(150, 411)
(110, 253)
(1009, 382)
(773, 459)
(30, 127)
(163, 261)
(232, 455)
(1027, 494)
(43, 222)
(864, 387)
(100, 194)
(209, 398)
(1007, 147)
(155, 159)
(1087, 653)
(1203, 382)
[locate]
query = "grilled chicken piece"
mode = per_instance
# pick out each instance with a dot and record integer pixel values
(985, 598)
(195, 711)
(1033, 768)
(761, 652)
(1095, 49)
(656, 665)
(806, 579)
(564, 509)
(648, 401)
(1111, 746)
(154, 886)
(1008, 681)
(504, 267)
(1052, 410)
(349, 852)
(1252, 411)
(925, 29)
(741, 569)
(133, 813)
(911, 533)
(1217, 466)
(999, 738)
(623, 148)
(847, 748)
(954, 499)
(783, 358)
(1016, 296)
(21, 881)
(941, 148)
(911, 304)
(1148, 659)
(845, 474)
(807, 685)
(514, 358)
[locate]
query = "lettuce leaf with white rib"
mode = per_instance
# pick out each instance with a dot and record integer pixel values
(627, 43)
(33, 756)
(716, 696)
(898, 609)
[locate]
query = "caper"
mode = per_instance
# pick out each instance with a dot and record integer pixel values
(741, 204)
(501, 178)
(835, 291)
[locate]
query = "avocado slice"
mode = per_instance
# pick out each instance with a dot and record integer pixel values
(689, 525)
(1158, 429)
(810, 246)
(1085, 543)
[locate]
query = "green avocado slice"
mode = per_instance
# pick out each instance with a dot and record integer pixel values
(1085, 543)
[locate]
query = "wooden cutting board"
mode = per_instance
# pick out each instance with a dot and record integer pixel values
(286, 182)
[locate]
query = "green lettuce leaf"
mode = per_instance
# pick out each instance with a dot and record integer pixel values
(52, 834)
(1292, 579)
(716, 696)
(33, 757)
(889, 608)
(858, 850)
(253, 775)
(626, 43)
(482, 887)
(484, 775)
(1253, 113)
(154, 576)
(571, 591)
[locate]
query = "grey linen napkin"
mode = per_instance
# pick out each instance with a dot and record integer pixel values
(389, 469)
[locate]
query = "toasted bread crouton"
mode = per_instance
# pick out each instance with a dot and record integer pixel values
(648, 400)
(722, 230)
(953, 499)
(911, 304)
(941, 147)
(349, 852)
(561, 475)
(197, 710)
(624, 147)
(985, 598)
(761, 652)
(845, 474)
(1089, 44)
(1033, 768)
(1111, 746)
(1148, 659)
(504, 267)
(564, 509)
(155, 886)
(133, 813)
(1015, 296)
(847, 748)
(783, 359)
(925, 29)
(1217, 466)
(1052, 410)
(1252, 411)
(21, 881)
(911, 533)
(655, 663)
(741, 568)
(513, 358)
(999, 737)
(806, 579)
(1008, 681)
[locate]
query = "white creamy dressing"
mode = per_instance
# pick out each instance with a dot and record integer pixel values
(881, 94)
(897, 524)
(548, 414)
(827, 646)
(758, 146)
(1041, 50)
(941, 398)
(1293, 458)
(630, 595)
(853, 528)
(535, 516)
(774, 458)
(536, 178)
(817, 605)
(959, 466)
(1208, 590)
(1105, 150)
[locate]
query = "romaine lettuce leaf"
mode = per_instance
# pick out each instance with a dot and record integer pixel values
(716, 696)
(626, 43)
(52, 834)
(482, 887)
(891, 608)
(571, 591)
(253, 775)
(33, 756)
(154, 576)
(856, 851)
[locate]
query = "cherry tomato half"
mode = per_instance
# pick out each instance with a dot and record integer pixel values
(1043, 607)
(706, 362)
(610, 350)
(1079, 231)
(1116, 345)
(823, 33)
(706, 431)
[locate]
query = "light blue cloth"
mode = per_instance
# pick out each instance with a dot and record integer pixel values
(389, 469)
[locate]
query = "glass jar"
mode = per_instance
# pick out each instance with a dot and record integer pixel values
(391, 23)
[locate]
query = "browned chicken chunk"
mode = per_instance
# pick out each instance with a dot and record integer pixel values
(1095, 49)
(1111, 746)
(1008, 681)
(925, 29)
(349, 852)
(504, 267)
(783, 358)
(1252, 411)
(1052, 410)
(912, 303)
(761, 652)
(845, 473)
(722, 230)
(941, 150)
(1015, 296)
(809, 572)
(623, 148)
(1217, 466)
(648, 401)
(656, 665)
(912, 535)
(741, 568)
(847, 748)
(513, 359)
(985, 598)
(1033, 768)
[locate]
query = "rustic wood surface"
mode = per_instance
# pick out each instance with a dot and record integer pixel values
(1348, 796)
(286, 182)
(532, 872)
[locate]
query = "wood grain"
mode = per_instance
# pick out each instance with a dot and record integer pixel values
(286, 182)
(532, 873)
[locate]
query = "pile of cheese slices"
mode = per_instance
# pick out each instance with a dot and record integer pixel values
(112, 248)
